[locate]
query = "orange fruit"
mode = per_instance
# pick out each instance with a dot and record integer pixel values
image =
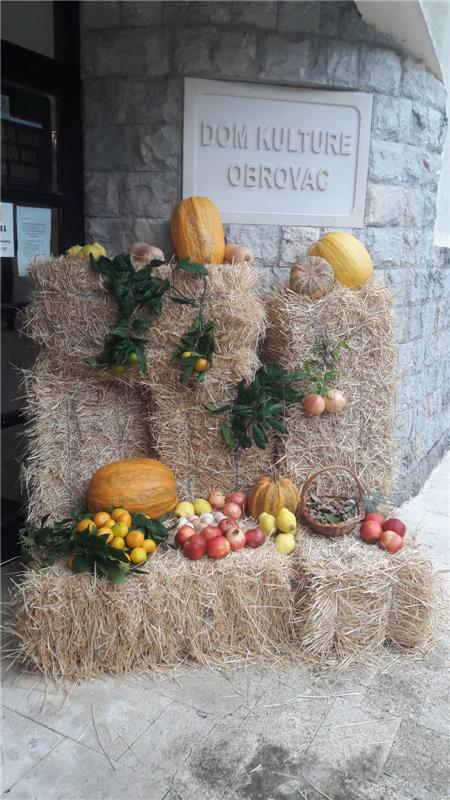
(127, 556)
(138, 555)
(108, 532)
(101, 518)
(85, 524)
(115, 514)
(70, 561)
(135, 539)
(125, 517)
(201, 365)
(118, 543)
(149, 545)
(120, 529)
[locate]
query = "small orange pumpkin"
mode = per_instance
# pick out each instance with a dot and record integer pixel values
(141, 485)
(238, 254)
(271, 494)
(197, 231)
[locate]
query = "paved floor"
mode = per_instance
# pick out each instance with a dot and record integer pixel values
(251, 735)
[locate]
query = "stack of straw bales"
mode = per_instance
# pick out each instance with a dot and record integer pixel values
(363, 436)
(334, 602)
(82, 417)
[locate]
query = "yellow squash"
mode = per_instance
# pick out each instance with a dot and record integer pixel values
(349, 258)
(141, 485)
(197, 231)
(271, 495)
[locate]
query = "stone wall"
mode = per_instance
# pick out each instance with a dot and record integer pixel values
(134, 58)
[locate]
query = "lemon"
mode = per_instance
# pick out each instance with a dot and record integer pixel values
(286, 521)
(75, 250)
(118, 543)
(185, 509)
(267, 523)
(138, 555)
(285, 543)
(85, 524)
(200, 507)
(186, 354)
(149, 546)
(120, 529)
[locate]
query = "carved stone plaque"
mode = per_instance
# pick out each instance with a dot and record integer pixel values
(275, 154)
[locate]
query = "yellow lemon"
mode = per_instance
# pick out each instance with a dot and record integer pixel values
(285, 543)
(186, 354)
(138, 555)
(200, 507)
(109, 523)
(106, 531)
(120, 529)
(267, 523)
(149, 546)
(115, 514)
(286, 521)
(118, 543)
(75, 250)
(135, 539)
(185, 509)
(85, 524)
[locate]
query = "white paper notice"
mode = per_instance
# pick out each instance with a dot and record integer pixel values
(6, 230)
(33, 235)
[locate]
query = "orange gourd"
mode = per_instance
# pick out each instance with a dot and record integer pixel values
(141, 485)
(197, 231)
(238, 254)
(271, 494)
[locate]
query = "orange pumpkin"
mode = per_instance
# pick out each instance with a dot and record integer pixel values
(197, 231)
(271, 494)
(141, 485)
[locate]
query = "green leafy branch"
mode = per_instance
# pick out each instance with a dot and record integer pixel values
(259, 407)
(322, 367)
(195, 350)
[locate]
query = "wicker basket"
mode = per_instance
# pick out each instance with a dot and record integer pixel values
(330, 529)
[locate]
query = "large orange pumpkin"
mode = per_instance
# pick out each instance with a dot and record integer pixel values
(197, 231)
(142, 485)
(271, 495)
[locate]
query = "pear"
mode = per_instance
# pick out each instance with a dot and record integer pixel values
(286, 521)
(285, 543)
(267, 523)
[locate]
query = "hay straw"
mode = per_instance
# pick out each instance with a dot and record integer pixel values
(73, 427)
(333, 603)
(362, 436)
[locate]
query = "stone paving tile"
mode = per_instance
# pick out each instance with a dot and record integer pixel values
(121, 711)
(402, 689)
(435, 711)
(24, 744)
(421, 758)
(73, 772)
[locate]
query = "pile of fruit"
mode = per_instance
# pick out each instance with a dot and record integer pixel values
(118, 531)
(387, 533)
(213, 527)
(95, 250)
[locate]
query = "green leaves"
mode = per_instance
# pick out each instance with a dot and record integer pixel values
(321, 368)
(152, 528)
(259, 407)
(191, 266)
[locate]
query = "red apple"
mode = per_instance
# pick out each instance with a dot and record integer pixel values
(219, 547)
(216, 499)
(375, 516)
(238, 497)
(227, 525)
(390, 541)
(236, 539)
(232, 510)
(195, 547)
(254, 537)
(211, 532)
(314, 404)
(370, 531)
(395, 525)
(183, 534)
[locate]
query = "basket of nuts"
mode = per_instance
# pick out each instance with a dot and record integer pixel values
(331, 515)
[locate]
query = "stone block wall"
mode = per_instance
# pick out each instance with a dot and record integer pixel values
(134, 58)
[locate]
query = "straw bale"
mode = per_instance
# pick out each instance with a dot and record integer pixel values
(351, 598)
(362, 436)
(334, 602)
(210, 612)
(73, 427)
